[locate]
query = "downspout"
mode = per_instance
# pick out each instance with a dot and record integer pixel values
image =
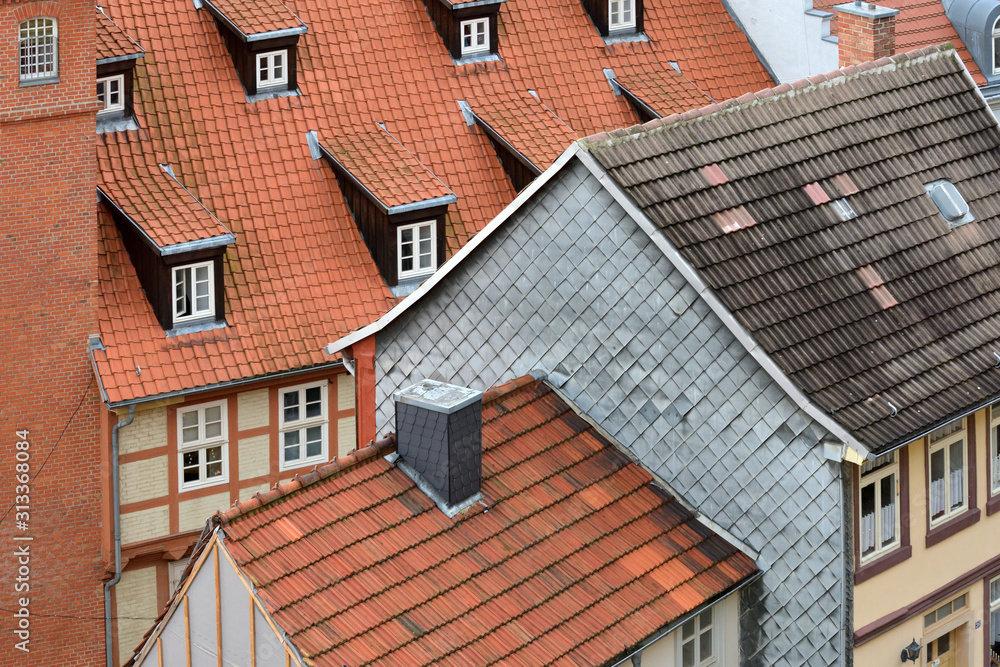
(116, 517)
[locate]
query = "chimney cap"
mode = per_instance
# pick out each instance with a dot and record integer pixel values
(438, 396)
(867, 10)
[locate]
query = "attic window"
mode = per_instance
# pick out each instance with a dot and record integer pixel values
(271, 69)
(475, 36)
(996, 46)
(110, 94)
(621, 14)
(193, 292)
(950, 203)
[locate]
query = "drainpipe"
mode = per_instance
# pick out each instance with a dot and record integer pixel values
(116, 517)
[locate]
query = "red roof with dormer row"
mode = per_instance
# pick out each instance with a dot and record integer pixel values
(299, 273)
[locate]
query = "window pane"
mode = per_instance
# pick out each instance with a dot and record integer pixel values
(943, 612)
(291, 406)
(705, 644)
(995, 594)
(867, 519)
(213, 454)
(995, 630)
(687, 630)
(929, 620)
(292, 446)
(956, 476)
(407, 264)
(944, 644)
(937, 484)
(959, 603)
(213, 470)
(887, 509)
(314, 404)
(996, 54)
(687, 654)
(314, 441)
(406, 236)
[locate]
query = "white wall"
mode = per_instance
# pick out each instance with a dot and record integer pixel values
(789, 39)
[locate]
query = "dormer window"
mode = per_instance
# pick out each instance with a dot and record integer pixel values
(110, 94)
(38, 50)
(262, 37)
(417, 244)
(621, 15)
(468, 27)
(475, 36)
(271, 69)
(996, 47)
(193, 292)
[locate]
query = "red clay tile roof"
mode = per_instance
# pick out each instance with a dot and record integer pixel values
(164, 211)
(919, 23)
(384, 167)
(572, 558)
(112, 42)
(254, 17)
(524, 122)
(665, 91)
(362, 62)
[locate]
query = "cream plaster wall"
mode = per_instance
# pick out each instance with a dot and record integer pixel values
(255, 456)
(143, 480)
(247, 493)
(135, 597)
(145, 524)
(192, 514)
(346, 436)
(147, 430)
(252, 408)
(345, 392)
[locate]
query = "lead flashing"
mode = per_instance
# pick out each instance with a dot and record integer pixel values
(200, 244)
(438, 397)
(277, 34)
(471, 3)
(444, 200)
(119, 59)
(867, 10)
(449, 511)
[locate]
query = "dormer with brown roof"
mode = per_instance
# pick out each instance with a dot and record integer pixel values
(397, 203)
(262, 38)
(469, 29)
(117, 54)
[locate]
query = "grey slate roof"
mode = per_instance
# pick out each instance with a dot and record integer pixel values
(572, 285)
(890, 309)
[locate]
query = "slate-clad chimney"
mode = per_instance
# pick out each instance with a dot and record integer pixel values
(865, 32)
(439, 432)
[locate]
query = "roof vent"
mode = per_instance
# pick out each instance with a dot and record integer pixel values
(439, 436)
(950, 203)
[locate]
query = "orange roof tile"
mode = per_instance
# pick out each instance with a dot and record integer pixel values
(524, 123)
(572, 557)
(664, 90)
(362, 62)
(920, 23)
(112, 42)
(256, 17)
(151, 198)
(385, 168)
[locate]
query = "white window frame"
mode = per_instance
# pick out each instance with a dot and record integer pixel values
(474, 25)
(195, 313)
(268, 58)
(108, 106)
(416, 271)
(943, 444)
(716, 628)
(622, 7)
(993, 46)
(30, 41)
(993, 464)
(994, 600)
(303, 423)
(202, 444)
(875, 477)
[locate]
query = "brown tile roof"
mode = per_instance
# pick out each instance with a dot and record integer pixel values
(255, 17)
(919, 23)
(573, 557)
(523, 122)
(922, 336)
(384, 167)
(362, 62)
(112, 42)
(143, 190)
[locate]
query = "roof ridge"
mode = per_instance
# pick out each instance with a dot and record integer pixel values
(499, 391)
(947, 48)
(352, 459)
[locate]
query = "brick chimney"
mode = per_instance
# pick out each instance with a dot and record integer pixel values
(865, 32)
(439, 441)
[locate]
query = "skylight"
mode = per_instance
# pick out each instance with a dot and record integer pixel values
(950, 203)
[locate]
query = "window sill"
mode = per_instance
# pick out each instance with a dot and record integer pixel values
(473, 58)
(273, 94)
(198, 486)
(625, 35)
(993, 505)
(958, 524)
(38, 82)
(195, 326)
(882, 563)
(305, 463)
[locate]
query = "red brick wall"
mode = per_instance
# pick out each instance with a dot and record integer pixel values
(863, 39)
(48, 296)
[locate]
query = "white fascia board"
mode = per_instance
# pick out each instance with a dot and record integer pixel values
(456, 259)
(722, 312)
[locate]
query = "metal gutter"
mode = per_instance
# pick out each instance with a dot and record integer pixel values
(199, 244)
(117, 520)
(421, 205)
(118, 59)
(722, 312)
(223, 385)
(471, 3)
(456, 259)
(687, 617)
